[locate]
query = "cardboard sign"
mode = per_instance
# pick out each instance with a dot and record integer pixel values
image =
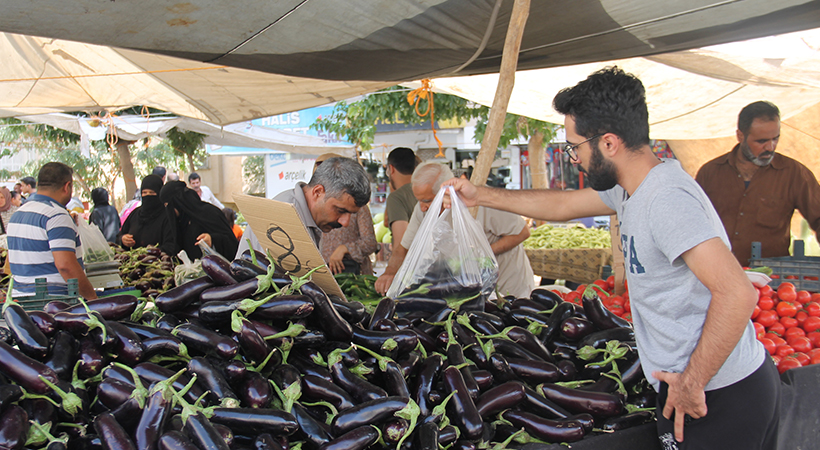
(280, 230)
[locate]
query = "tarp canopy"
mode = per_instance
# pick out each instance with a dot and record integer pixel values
(402, 40)
(246, 135)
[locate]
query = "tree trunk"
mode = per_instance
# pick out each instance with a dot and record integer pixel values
(190, 159)
(538, 164)
(506, 81)
(127, 167)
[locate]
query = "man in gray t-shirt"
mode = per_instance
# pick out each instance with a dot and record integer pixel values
(691, 301)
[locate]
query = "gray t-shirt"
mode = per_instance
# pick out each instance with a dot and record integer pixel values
(666, 216)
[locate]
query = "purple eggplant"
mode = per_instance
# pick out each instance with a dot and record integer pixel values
(112, 392)
(385, 342)
(212, 379)
(599, 339)
(309, 428)
(26, 371)
(358, 439)
(546, 429)
(410, 304)
(14, 426)
(28, 336)
(335, 328)
(534, 372)
(202, 433)
(183, 295)
(175, 440)
(44, 321)
(9, 394)
(166, 345)
(500, 368)
(455, 357)
(462, 408)
(112, 434)
(245, 270)
(599, 314)
(428, 373)
(427, 437)
(562, 312)
(575, 328)
(319, 389)
(218, 269)
(92, 359)
(128, 346)
(206, 341)
(115, 307)
(254, 390)
(152, 373)
(501, 397)
(255, 420)
(386, 309)
(599, 404)
(360, 389)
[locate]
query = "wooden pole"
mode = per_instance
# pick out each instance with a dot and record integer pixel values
(506, 81)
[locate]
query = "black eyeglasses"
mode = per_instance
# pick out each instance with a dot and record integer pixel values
(569, 149)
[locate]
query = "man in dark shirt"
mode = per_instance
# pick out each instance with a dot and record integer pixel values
(755, 190)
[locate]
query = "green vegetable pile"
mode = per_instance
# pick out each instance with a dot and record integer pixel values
(359, 288)
(550, 236)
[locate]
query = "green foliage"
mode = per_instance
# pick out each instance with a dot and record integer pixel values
(188, 143)
(253, 170)
(356, 122)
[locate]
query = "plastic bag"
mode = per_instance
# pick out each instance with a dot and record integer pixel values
(449, 259)
(188, 270)
(93, 245)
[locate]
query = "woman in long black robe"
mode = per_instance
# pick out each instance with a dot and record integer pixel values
(150, 223)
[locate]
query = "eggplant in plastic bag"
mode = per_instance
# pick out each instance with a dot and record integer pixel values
(453, 260)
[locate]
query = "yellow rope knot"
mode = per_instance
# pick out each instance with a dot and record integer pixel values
(425, 92)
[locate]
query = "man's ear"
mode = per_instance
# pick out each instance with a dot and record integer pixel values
(610, 144)
(317, 191)
(740, 136)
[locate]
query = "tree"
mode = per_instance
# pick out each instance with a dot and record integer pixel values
(356, 122)
(189, 144)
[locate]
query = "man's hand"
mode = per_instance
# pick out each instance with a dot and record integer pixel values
(204, 237)
(128, 240)
(684, 397)
(335, 261)
(467, 192)
(383, 283)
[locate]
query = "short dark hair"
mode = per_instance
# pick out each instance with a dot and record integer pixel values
(54, 175)
(159, 171)
(230, 214)
(757, 110)
(194, 176)
(403, 159)
(29, 181)
(343, 176)
(608, 101)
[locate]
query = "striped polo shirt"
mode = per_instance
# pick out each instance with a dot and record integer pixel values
(38, 228)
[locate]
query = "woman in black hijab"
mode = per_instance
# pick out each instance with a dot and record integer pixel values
(150, 223)
(198, 221)
(104, 215)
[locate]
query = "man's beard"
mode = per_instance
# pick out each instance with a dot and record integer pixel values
(761, 160)
(601, 175)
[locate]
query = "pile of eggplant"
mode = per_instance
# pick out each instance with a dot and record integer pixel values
(251, 358)
(148, 269)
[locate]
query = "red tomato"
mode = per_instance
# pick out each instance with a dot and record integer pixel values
(815, 338)
(788, 363)
(610, 283)
(812, 323)
(793, 332)
(786, 309)
(800, 344)
(760, 330)
(788, 322)
(618, 310)
(775, 338)
(628, 317)
(791, 277)
(607, 302)
(765, 303)
(812, 308)
(803, 297)
(811, 278)
(572, 296)
(776, 360)
(766, 291)
(755, 312)
(580, 289)
(617, 300)
(777, 328)
(786, 292)
(768, 345)
(814, 355)
(801, 317)
(815, 297)
(767, 318)
(627, 306)
(784, 350)
(803, 358)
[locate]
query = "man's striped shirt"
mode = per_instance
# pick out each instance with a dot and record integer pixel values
(38, 228)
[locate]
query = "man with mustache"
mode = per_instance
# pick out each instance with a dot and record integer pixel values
(337, 189)
(691, 300)
(755, 190)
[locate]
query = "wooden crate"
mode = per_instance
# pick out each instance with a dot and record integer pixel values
(581, 265)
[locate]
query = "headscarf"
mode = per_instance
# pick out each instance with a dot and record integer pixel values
(99, 196)
(152, 206)
(191, 208)
(4, 191)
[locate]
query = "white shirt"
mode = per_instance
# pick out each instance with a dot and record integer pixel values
(207, 196)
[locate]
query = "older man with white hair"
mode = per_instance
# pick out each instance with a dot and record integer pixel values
(504, 231)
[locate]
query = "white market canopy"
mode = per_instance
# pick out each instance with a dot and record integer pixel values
(691, 94)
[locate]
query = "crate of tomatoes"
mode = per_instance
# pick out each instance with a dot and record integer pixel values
(800, 270)
(787, 323)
